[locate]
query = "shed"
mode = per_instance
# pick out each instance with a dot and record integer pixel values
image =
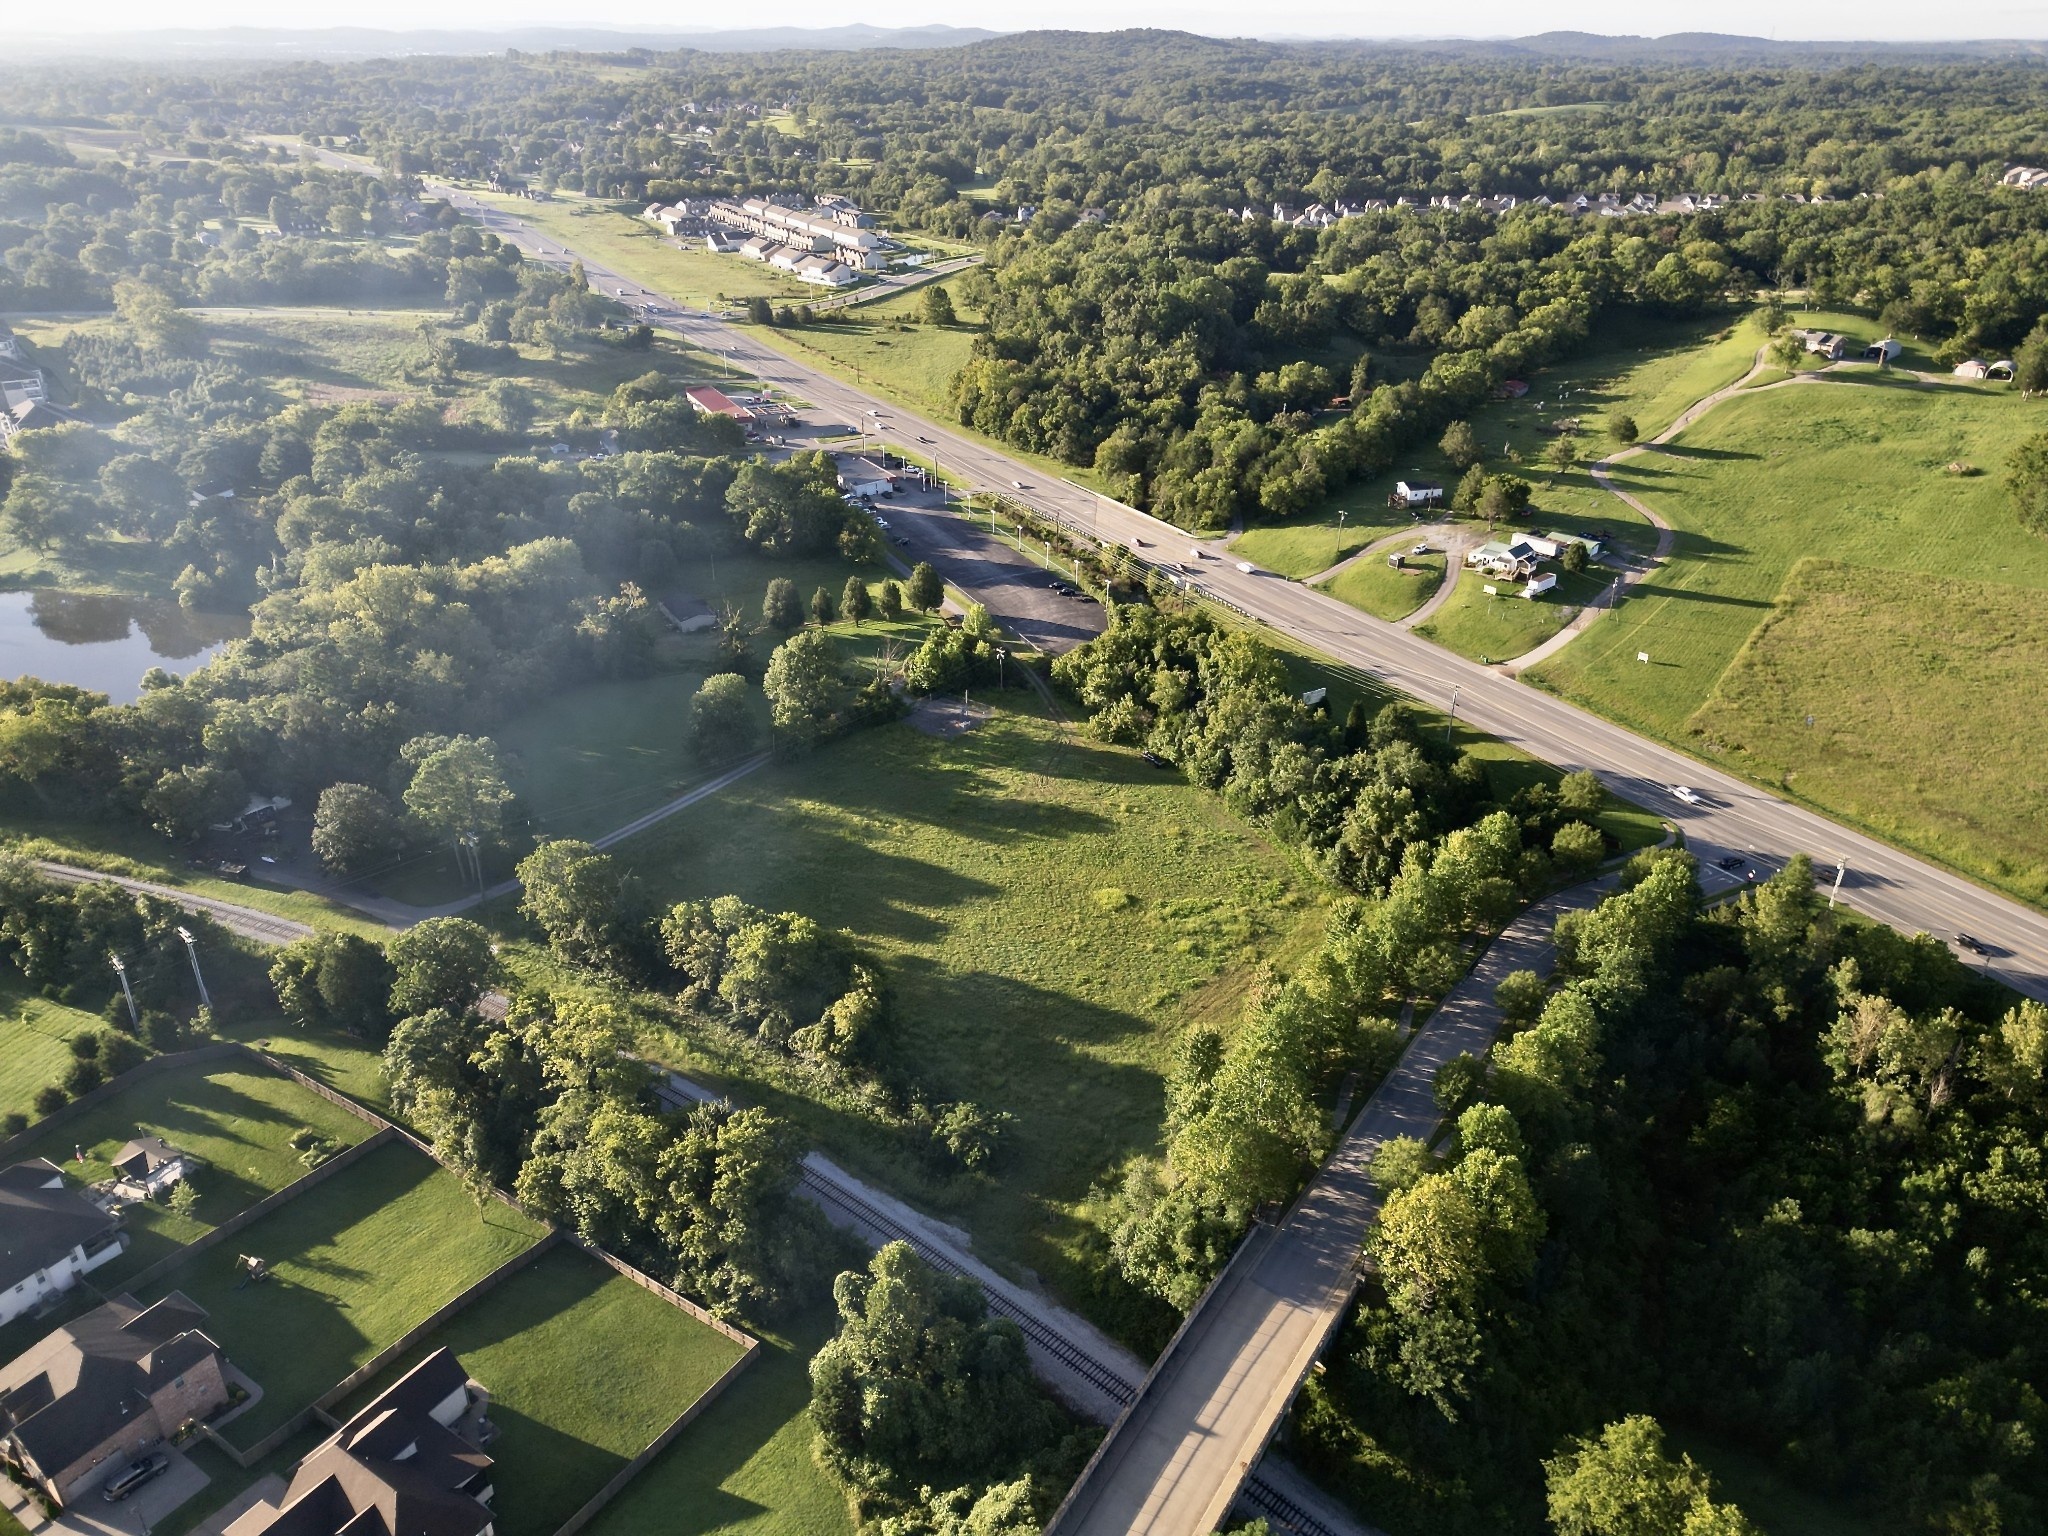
(1538, 585)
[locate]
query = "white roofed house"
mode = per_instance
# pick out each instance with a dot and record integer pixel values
(826, 272)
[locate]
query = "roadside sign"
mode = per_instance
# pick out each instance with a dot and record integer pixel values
(1490, 592)
(1642, 655)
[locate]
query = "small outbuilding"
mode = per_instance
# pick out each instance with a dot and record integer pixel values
(1416, 493)
(1972, 368)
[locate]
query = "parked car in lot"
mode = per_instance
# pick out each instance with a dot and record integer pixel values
(132, 1477)
(1155, 760)
(1729, 861)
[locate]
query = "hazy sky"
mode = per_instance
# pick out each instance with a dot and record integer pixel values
(1873, 19)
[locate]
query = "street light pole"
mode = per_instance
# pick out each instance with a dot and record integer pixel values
(192, 954)
(1451, 718)
(121, 970)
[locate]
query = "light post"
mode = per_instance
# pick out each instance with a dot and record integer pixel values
(1841, 868)
(1451, 718)
(121, 970)
(192, 954)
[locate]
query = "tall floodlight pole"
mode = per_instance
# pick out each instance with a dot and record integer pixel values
(192, 954)
(1451, 718)
(121, 970)
(1841, 868)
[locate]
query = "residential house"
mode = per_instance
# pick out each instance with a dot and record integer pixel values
(1416, 493)
(412, 1463)
(1094, 215)
(864, 477)
(2028, 178)
(826, 272)
(719, 243)
(149, 1165)
(1826, 344)
(50, 1234)
(760, 248)
(1515, 558)
(1026, 212)
(786, 258)
(839, 227)
(96, 1392)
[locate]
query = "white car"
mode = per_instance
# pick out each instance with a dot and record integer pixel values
(1420, 549)
(1689, 796)
(1020, 485)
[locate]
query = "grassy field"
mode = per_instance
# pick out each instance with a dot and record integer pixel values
(1087, 905)
(1377, 588)
(1851, 472)
(236, 1118)
(1503, 626)
(33, 1049)
(584, 1368)
(1918, 748)
(355, 1262)
(1651, 370)
(745, 1468)
(888, 344)
(344, 1062)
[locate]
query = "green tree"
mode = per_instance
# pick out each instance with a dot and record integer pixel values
(185, 801)
(854, 601)
(355, 828)
(723, 724)
(184, 1199)
(1520, 997)
(1460, 445)
(2030, 362)
(1622, 429)
(805, 689)
(760, 311)
(335, 981)
(1562, 453)
(1574, 557)
(150, 315)
(1577, 847)
(1470, 488)
(889, 602)
(925, 592)
(1622, 1483)
(781, 608)
(458, 789)
(938, 306)
(441, 962)
(577, 897)
(823, 609)
(1495, 503)
(2026, 481)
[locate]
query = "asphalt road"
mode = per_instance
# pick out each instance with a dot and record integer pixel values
(1730, 818)
(1176, 1462)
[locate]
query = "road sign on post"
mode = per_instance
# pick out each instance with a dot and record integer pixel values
(1642, 655)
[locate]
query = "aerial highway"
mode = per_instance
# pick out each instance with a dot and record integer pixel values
(1728, 816)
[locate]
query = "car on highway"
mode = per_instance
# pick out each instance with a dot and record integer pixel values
(1974, 945)
(132, 1477)
(1247, 567)
(1020, 485)
(1689, 795)
(1729, 861)
(899, 539)
(881, 521)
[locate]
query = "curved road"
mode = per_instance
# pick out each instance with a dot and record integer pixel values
(1731, 816)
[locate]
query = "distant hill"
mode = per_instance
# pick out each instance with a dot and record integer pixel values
(1709, 48)
(173, 43)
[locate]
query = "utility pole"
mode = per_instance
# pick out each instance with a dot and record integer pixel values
(121, 970)
(192, 953)
(1841, 868)
(1451, 718)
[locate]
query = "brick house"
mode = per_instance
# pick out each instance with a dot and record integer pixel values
(97, 1391)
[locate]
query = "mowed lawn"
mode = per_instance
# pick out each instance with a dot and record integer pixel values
(355, 1262)
(1505, 624)
(1050, 913)
(584, 1369)
(1852, 472)
(237, 1117)
(34, 1044)
(1919, 748)
(1375, 587)
(745, 1467)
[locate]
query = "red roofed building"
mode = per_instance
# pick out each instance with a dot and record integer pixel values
(715, 402)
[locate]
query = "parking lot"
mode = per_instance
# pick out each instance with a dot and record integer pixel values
(1015, 587)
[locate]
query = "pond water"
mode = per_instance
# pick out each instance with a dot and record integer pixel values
(105, 642)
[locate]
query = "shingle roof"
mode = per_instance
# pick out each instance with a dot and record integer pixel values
(43, 1216)
(66, 1396)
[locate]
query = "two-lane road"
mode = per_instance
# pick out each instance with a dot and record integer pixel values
(1881, 882)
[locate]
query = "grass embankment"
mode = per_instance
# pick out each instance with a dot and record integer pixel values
(584, 1369)
(1050, 913)
(237, 1119)
(1650, 370)
(355, 1262)
(887, 344)
(1385, 591)
(1853, 472)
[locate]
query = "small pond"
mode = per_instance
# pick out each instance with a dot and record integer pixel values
(106, 642)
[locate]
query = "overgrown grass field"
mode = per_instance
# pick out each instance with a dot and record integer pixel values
(1851, 471)
(584, 1369)
(1051, 914)
(237, 1118)
(355, 1262)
